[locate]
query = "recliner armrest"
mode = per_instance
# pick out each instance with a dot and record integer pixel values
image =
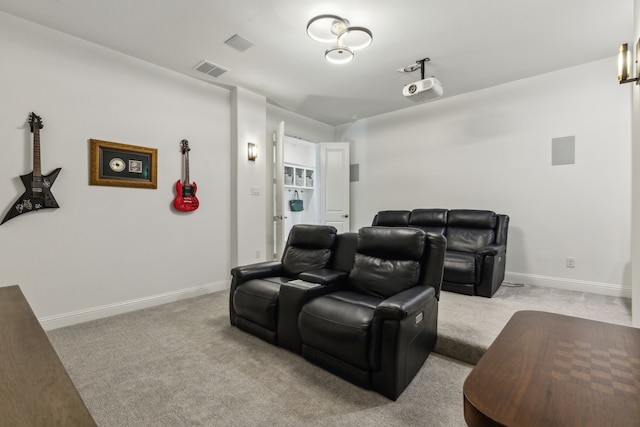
(399, 308)
(323, 276)
(491, 250)
(404, 303)
(257, 270)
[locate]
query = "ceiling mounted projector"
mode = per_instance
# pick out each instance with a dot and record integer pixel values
(423, 90)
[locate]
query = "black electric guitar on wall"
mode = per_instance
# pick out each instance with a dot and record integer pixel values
(38, 187)
(186, 199)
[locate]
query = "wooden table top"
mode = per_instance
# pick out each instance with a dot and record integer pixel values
(35, 389)
(547, 369)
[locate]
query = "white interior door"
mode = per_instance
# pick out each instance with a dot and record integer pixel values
(278, 191)
(334, 185)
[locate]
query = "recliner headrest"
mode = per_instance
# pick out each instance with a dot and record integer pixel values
(392, 218)
(472, 218)
(428, 217)
(391, 242)
(312, 236)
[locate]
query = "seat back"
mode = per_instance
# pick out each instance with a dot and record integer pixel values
(433, 220)
(308, 248)
(469, 230)
(388, 260)
(392, 218)
(502, 229)
(344, 252)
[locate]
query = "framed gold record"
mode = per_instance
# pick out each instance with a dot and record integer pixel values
(122, 165)
(117, 164)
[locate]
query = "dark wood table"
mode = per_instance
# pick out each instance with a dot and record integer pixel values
(547, 369)
(35, 389)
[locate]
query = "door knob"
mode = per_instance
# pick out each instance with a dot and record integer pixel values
(345, 216)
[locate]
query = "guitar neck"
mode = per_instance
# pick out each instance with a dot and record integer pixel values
(186, 168)
(37, 172)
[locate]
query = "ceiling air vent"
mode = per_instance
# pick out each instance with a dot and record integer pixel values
(238, 43)
(210, 69)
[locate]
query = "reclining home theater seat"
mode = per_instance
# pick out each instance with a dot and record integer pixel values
(378, 330)
(476, 244)
(476, 252)
(255, 288)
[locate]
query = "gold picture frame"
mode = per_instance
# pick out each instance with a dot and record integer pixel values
(122, 165)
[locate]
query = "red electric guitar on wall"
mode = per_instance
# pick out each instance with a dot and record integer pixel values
(186, 199)
(37, 193)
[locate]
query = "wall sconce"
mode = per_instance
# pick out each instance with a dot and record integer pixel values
(252, 152)
(625, 66)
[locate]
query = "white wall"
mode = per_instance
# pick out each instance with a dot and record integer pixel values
(298, 126)
(249, 203)
(108, 249)
(636, 180)
(491, 149)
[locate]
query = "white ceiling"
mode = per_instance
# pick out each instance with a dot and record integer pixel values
(472, 44)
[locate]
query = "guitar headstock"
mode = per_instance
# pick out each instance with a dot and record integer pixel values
(184, 145)
(35, 122)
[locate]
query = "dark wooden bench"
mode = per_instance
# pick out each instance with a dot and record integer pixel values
(35, 389)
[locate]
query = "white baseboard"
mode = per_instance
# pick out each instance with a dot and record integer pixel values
(570, 284)
(74, 317)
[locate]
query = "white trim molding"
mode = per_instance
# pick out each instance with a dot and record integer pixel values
(93, 313)
(610, 289)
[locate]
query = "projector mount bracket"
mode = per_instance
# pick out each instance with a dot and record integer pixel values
(419, 64)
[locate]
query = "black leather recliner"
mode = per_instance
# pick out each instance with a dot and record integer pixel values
(255, 288)
(476, 252)
(379, 328)
(475, 260)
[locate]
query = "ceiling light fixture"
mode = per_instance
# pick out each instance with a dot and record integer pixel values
(338, 55)
(337, 31)
(355, 37)
(625, 67)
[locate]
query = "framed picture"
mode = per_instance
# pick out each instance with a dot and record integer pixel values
(122, 165)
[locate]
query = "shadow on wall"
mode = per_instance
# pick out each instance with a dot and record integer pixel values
(626, 282)
(515, 245)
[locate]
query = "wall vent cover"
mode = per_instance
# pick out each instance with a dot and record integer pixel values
(210, 69)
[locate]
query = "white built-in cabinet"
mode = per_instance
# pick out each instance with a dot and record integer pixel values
(299, 177)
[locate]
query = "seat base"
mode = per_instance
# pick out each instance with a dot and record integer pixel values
(336, 332)
(459, 267)
(459, 288)
(256, 330)
(256, 301)
(338, 324)
(344, 370)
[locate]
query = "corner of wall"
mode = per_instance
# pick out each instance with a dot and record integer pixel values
(635, 185)
(248, 183)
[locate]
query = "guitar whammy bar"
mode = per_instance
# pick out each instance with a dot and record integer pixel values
(37, 193)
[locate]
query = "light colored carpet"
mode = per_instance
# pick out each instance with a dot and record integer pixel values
(182, 364)
(468, 325)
